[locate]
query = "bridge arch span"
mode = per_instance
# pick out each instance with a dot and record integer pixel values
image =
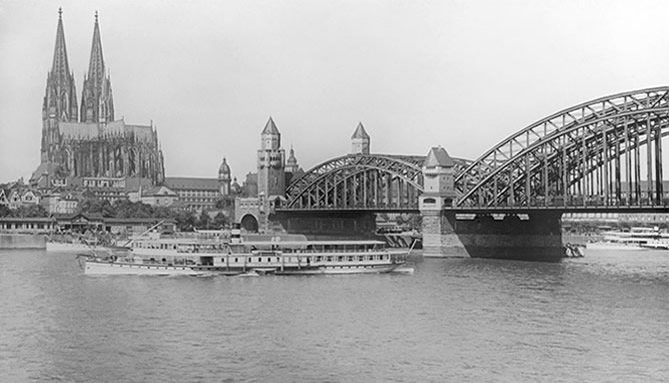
(361, 182)
(607, 151)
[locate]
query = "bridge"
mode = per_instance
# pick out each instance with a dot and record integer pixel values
(602, 155)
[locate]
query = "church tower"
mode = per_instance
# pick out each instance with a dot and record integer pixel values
(224, 177)
(60, 100)
(291, 163)
(360, 141)
(97, 103)
(271, 162)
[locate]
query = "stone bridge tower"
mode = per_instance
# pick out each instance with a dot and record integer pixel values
(439, 235)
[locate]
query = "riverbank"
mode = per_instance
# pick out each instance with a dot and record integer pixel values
(22, 241)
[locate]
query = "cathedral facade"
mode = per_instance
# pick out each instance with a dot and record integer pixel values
(83, 141)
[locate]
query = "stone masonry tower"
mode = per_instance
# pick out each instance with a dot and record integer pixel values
(438, 194)
(271, 163)
(360, 141)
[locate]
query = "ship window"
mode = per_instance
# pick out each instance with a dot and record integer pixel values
(223, 260)
(350, 258)
(269, 260)
(340, 258)
(361, 258)
(318, 259)
(259, 259)
(235, 260)
(329, 259)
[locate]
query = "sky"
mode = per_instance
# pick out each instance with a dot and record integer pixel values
(463, 74)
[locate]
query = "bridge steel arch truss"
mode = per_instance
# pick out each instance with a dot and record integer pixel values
(606, 152)
(360, 182)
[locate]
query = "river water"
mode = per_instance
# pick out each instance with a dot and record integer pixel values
(601, 318)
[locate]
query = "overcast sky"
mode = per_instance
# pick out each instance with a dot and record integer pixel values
(461, 74)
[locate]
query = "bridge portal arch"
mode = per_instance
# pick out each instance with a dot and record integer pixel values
(249, 222)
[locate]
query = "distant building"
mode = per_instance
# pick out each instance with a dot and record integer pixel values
(22, 197)
(196, 194)
(20, 225)
(155, 196)
(61, 203)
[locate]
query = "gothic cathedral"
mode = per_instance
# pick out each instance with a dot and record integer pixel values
(81, 141)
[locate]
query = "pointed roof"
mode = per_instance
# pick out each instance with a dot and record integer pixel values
(438, 157)
(360, 132)
(270, 127)
(60, 66)
(96, 65)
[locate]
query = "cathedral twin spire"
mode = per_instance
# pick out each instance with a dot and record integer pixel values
(60, 101)
(97, 103)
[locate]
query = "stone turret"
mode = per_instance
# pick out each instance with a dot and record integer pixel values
(360, 141)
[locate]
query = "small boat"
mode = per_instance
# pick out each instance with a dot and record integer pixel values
(154, 256)
(573, 251)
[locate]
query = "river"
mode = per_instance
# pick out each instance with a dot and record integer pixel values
(601, 318)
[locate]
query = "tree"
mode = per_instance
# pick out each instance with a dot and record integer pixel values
(225, 202)
(5, 211)
(97, 206)
(31, 211)
(220, 220)
(205, 220)
(185, 221)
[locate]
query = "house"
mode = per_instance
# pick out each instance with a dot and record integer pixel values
(155, 196)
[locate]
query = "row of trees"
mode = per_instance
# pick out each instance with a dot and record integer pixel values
(185, 220)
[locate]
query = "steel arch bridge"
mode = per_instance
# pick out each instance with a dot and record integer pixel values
(605, 153)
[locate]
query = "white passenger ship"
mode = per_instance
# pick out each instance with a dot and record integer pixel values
(167, 256)
(638, 238)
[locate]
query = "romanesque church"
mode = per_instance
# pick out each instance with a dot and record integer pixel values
(85, 141)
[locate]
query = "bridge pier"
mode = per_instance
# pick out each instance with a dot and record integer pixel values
(451, 232)
(535, 236)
